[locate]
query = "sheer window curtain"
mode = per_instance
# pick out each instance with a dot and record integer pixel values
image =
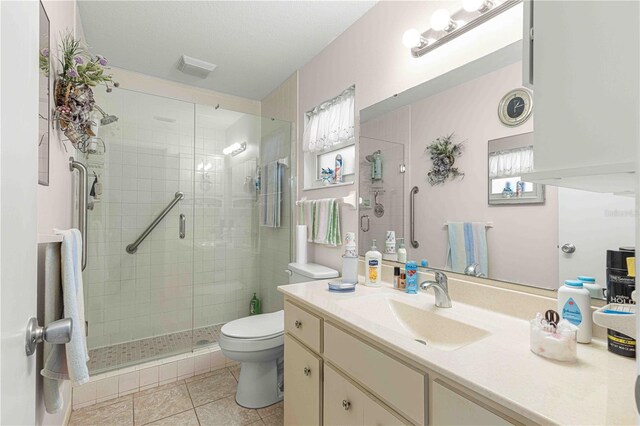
(331, 123)
(513, 162)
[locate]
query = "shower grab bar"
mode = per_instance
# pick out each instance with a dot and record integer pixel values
(83, 179)
(412, 217)
(133, 247)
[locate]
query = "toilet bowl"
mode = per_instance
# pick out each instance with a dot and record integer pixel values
(257, 342)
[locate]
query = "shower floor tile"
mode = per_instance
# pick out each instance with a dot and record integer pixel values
(123, 354)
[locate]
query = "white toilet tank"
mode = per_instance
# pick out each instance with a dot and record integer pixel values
(303, 272)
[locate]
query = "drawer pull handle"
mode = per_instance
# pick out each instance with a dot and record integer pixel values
(346, 404)
(298, 324)
(307, 371)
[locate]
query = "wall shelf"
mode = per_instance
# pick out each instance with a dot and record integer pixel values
(49, 238)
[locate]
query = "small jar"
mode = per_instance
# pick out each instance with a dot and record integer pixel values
(590, 284)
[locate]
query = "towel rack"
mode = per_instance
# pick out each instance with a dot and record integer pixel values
(486, 225)
(350, 200)
(83, 179)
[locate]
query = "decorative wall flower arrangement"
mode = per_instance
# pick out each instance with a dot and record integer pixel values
(73, 95)
(443, 154)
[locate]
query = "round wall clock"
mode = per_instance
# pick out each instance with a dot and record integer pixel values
(515, 107)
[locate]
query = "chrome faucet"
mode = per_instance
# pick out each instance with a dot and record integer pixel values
(440, 288)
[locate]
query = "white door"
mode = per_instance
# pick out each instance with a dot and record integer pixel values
(18, 218)
(593, 223)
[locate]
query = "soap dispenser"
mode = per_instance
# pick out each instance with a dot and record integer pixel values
(402, 251)
(373, 265)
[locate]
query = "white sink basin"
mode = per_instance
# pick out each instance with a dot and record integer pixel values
(427, 325)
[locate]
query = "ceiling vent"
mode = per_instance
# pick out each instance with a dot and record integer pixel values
(195, 67)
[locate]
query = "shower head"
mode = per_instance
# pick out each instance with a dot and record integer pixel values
(106, 118)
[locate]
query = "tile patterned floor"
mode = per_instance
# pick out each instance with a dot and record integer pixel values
(204, 400)
(123, 354)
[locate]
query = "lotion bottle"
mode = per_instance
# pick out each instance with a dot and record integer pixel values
(402, 252)
(373, 265)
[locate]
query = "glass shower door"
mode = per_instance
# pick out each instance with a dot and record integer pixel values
(139, 305)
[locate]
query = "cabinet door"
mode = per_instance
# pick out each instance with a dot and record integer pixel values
(344, 404)
(302, 387)
(376, 415)
(586, 67)
(451, 408)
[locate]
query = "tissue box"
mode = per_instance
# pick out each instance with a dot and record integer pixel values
(560, 344)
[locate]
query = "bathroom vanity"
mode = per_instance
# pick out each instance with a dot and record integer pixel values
(380, 356)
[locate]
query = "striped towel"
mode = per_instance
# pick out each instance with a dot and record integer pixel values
(272, 176)
(322, 218)
(467, 245)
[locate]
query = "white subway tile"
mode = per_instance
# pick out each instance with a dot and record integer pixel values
(84, 394)
(128, 382)
(168, 372)
(106, 388)
(149, 376)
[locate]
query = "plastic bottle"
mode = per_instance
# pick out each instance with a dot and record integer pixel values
(592, 286)
(411, 282)
(254, 306)
(373, 265)
(402, 252)
(574, 305)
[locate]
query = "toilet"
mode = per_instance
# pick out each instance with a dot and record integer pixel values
(257, 342)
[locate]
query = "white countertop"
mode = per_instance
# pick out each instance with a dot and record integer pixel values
(598, 389)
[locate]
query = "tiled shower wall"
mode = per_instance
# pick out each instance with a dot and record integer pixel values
(148, 158)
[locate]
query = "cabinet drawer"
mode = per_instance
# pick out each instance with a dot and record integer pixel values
(400, 386)
(304, 325)
(345, 404)
(302, 388)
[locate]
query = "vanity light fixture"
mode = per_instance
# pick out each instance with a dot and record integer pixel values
(235, 149)
(446, 26)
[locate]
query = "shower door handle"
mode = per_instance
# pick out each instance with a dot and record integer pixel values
(183, 225)
(412, 217)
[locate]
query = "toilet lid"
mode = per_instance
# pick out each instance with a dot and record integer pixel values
(256, 326)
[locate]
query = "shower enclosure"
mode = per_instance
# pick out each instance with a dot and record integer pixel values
(200, 265)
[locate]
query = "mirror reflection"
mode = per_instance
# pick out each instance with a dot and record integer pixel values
(473, 209)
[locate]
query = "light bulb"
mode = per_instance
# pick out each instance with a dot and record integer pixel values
(411, 38)
(440, 20)
(231, 148)
(472, 5)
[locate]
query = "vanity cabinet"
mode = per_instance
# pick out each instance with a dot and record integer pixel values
(351, 380)
(581, 59)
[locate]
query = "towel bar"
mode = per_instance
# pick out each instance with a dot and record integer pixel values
(350, 200)
(83, 205)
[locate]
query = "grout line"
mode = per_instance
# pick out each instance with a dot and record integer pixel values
(171, 415)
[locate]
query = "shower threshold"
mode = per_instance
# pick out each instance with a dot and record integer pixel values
(126, 354)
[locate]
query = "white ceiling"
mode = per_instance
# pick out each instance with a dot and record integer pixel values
(256, 44)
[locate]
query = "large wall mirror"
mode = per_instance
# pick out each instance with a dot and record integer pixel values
(489, 222)
(43, 98)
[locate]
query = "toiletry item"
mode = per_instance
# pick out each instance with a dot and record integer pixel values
(376, 166)
(349, 269)
(553, 341)
(337, 177)
(620, 286)
(373, 265)
(396, 277)
(402, 251)
(350, 244)
(254, 306)
(574, 305)
(390, 247)
(341, 287)
(402, 284)
(411, 281)
(424, 263)
(590, 284)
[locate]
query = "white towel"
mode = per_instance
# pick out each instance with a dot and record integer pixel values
(68, 362)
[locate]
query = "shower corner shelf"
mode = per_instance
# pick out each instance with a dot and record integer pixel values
(49, 238)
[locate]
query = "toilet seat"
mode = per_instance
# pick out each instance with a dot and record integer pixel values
(254, 333)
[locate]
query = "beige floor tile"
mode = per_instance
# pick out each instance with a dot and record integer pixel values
(118, 414)
(158, 388)
(275, 420)
(161, 404)
(107, 402)
(258, 423)
(226, 412)
(235, 370)
(200, 376)
(214, 387)
(187, 418)
(271, 410)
